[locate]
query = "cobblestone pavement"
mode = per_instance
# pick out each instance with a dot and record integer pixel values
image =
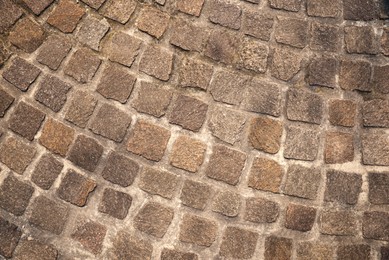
(194, 129)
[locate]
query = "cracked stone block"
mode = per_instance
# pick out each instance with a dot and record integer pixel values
(227, 203)
(238, 243)
(314, 250)
(154, 219)
(82, 105)
(338, 223)
(115, 203)
(300, 217)
(343, 187)
(168, 254)
(53, 51)
(278, 248)
(75, 188)
(16, 154)
(187, 153)
(226, 164)
(385, 42)
(321, 8)
(21, 74)
(302, 182)
(266, 175)
(293, 32)
(375, 225)
(159, 182)
(95, 4)
(191, 7)
(342, 112)
(10, 235)
(355, 251)
(129, 246)
(10, 13)
(286, 63)
(287, 5)
(195, 194)
(374, 148)
(119, 10)
(198, 230)
(253, 55)
(195, 74)
(189, 113)
(375, 113)
(157, 62)
(153, 21)
(188, 36)
(378, 188)
(83, 65)
(302, 105)
(26, 120)
(52, 92)
(6, 101)
(223, 46)
(355, 75)
(265, 134)
(120, 169)
(339, 147)
(86, 153)
(380, 80)
(90, 235)
(33, 249)
(325, 37)
(225, 14)
(124, 48)
(360, 39)
(322, 72)
(259, 210)
(148, 140)
(15, 195)
(360, 10)
(49, 215)
(46, 171)
(56, 137)
(27, 35)
(66, 16)
(92, 32)
(257, 25)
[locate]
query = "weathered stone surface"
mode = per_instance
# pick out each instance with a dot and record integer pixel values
(343, 187)
(238, 243)
(198, 230)
(148, 140)
(157, 62)
(304, 106)
(33, 249)
(10, 13)
(288, 5)
(187, 153)
(192, 7)
(66, 15)
(265, 174)
(322, 72)
(21, 74)
(314, 250)
(120, 169)
(195, 194)
(355, 75)
(82, 105)
(154, 219)
(168, 254)
(265, 134)
(253, 55)
(158, 182)
(223, 46)
(342, 112)
(15, 195)
(375, 225)
(37, 6)
(115, 203)
(225, 14)
(95, 4)
(226, 164)
(10, 235)
(85, 153)
(376, 113)
(384, 252)
(291, 31)
(299, 217)
(56, 137)
(286, 63)
(302, 182)
(46, 171)
(6, 101)
(259, 210)
(360, 39)
(380, 80)
(277, 248)
(355, 251)
(53, 51)
(379, 188)
(153, 21)
(16, 154)
(92, 31)
(227, 203)
(83, 65)
(339, 147)
(325, 37)
(321, 8)
(91, 235)
(385, 42)
(48, 215)
(374, 148)
(119, 10)
(52, 92)
(188, 36)
(338, 223)
(123, 48)
(129, 246)
(360, 10)
(257, 25)
(195, 74)
(26, 120)
(27, 35)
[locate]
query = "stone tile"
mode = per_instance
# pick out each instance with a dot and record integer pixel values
(375, 225)
(360, 39)
(338, 223)
(375, 113)
(238, 243)
(157, 62)
(148, 140)
(26, 120)
(322, 72)
(53, 51)
(123, 48)
(259, 210)
(257, 25)
(226, 164)
(27, 35)
(16, 154)
(154, 219)
(56, 137)
(188, 112)
(21, 74)
(10, 235)
(153, 21)
(46, 171)
(83, 65)
(286, 63)
(227, 203)
(187, 153)
(192, 7)
(4, 53)
(277, 248)
(82, 105)
(188, 36)
(374, 148)
(360, 10)
(158, 182)
(302, 182)
(115, 203)
(302, 105)
(325, 37)
(321, 8)
(120, 169)
(314, 250)
(15, 195)
(266, 175)
(291, 31)
(92, 31)
(49, 215)
(385, 42)
(37, 7)
(10, 13)
(378, 188)
(355, 75)
(380, 80)
(198, 230)
(355, 251)
(6, 101)
(129, 246)
(225, 14)
(119, 10)
(168, 254)
(339, 147)
(33, 249)
(75, 188)
(253, 55)
(223, 46)
(195, 74)
(342, 112)
(293, 5)
(85, 153)
(52, 92)
(66, 16)
(90, 235)
(265, 134)
(342, 187)
(95, 4)
(195, 194)
(300, 217)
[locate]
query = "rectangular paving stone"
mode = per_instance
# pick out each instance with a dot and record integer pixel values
(27, 35)
(375, 113)
(85, 153)
(123, 48)
(153, 21)
(265, 134)
(314, 250)
(223, 46)
(287, 5)
(257, 25)
(379, 188)
(192, 7)
(187, 153)
(374, 148)
(355, 75)
(227, 203)
(286, 63)
(82, 105)
(225, 14)
(37, 7)
(10, 13)
(260, 210)
(53, 51)
(343, 187)
(157, 62)
(322, 71)
(321, 8)
(195, 74)
(95, 4)
(46, 171)
(168, 254)
(355, 251)
(278, 248)
(33, 249)
(10, 235)
(21, 74)
(66, 16)
(360, 39)
(52, 92)
(375, 225)
(158, 182)
(253, 55)
(16, 154)
(296, 149)
(188, 36)
(302, 182)
(115, 203)
(6, 101)
(379, 79)
(118, 10)
(300, 217)
(339, 223)
(129, 246)
(292, 32)
(198, 230)
(120, 169)
(385, 42)
(92, 31)
(91, 235)
(82, 65)
(238, 243)
(360, 10)
(342, 112)
(339, 147)
(325, 37)
(304, 106)
(195, 194)
(266, 175)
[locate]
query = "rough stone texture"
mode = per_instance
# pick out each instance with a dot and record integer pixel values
(16, 154)
(188, 36)
(299, 217)
(168, 254)
(259, 210)
(313, 250)
(82, 105)
(339, 223)
(265, 134)
(66, 15)
(52, 93)
(195, 74)
(227, 203)
(225, 14)
(293, 5)
(158, 182)
(187, 153)
(257, 25)
(253, 55)
(304, 106)
(384, 252)
(375, 225)
(360, 39)
(10, 235)
(85, 153)
(293, 32)
(322, 72)
(153, 21)
(339, 147)
(10, 13)
(115, 203)
(83, 65)
(92, 31)
(277, 248)
(376, 113)
(378, 188)
(263, 98)
(356, 251)
(343, 187)
(342, 112)
(355, 75)
(46, 171)
(91, 236)
(379, 80)
(195, 194)
(325, 37)
(118, 10)
(385, 42)
(120, 169)
(223, 46)
(192, 7)
(6, 101)
(360, 10)
(124, 48)
(94, 3)
(295, 149)
(225, 164)
(33, 249)
(374, 148)
(27, 35)
(21, 74)
(197, 230)
(321, 8)
(302, 182)
(238, 243)
(53, 51)
(266, 175)
(129, 246)
(286, 63)
(157, 62)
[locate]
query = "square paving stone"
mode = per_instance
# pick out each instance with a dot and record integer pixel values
(291, 31)
(6, 101)
(355, 75)
(53, 51)
(321, 8)
(379, 188)
(322, 71)
(339, 147)
(227, 203)
(325, 37)
(129, 246)
(375, 113)
(287, 5)
(37, 7)
(314, 250)
(302, 182)
(118, 10)
(343, 187)
(120, 169)
(188, 36)
(168, 254)
(49, 215)
(27, 35)
(286, 63)
(21, 74)
(300, 217)
(375, 225)
(265, 134)
(223, 46)
(26, 120)
(304, 106)
(339, 223)
(16, 154)
(46, 171)
(257, 25)
(33, 249)
(198, 230)
(157, 62)
(278, 248)
(10, 13)
(187, 153)
(153, 21)
(360, 39)
(238, 243)
(86, 153)
(226, 164)
(225, 14)
(52, 92)
(195, 74)
(66, 16)
(355, 252)
(92, 31)
(91, 235)
(192, 7)
(195, 194)
(253, 55)
(259, 210)
(380, 79)
(10, 235)
(266, 175)
(115, 203)
(360, 10)
(158, 182)
(342, 112)
(82, 105)
(374, 148)
(82, 65)
(124, 48)
(15, 195)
